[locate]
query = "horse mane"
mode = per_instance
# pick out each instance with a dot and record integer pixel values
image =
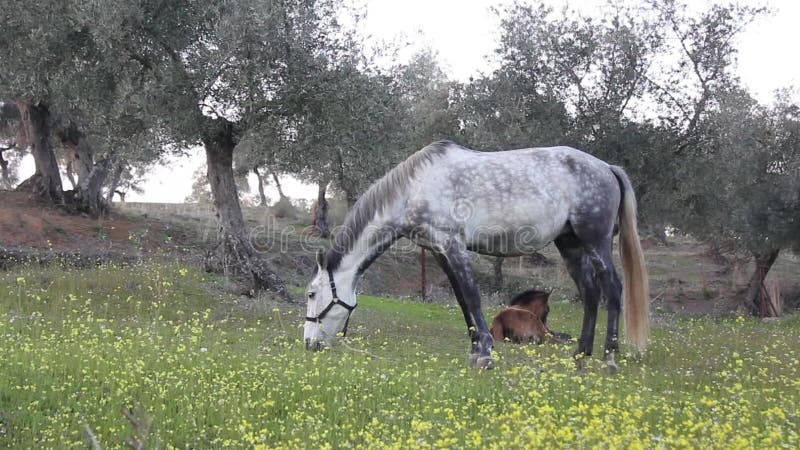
(381, 194)
(529, 296)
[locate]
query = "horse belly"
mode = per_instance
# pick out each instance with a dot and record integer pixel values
(514, 229)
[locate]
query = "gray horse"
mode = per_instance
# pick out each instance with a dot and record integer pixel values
(452, 200)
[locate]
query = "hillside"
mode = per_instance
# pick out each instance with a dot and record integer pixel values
(684, 279)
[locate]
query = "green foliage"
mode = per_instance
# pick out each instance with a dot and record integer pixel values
(652, 89)
(209, 371)
(748, 196)
(350, 131)
(201, 191)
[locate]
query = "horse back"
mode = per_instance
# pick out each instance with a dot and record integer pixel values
(510, 203)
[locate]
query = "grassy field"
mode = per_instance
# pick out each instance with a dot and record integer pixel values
(202, 369)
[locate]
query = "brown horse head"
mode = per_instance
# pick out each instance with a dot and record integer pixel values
(534, 301)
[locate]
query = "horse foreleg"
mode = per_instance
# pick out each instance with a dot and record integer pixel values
(451, 276)
(456, 264)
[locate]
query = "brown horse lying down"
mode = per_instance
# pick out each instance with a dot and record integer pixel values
(525, 320)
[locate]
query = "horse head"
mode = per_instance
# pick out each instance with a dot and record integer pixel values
(327, 314)
(535, 301)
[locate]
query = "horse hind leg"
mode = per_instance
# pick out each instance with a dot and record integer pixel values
(582, 271)
(612, 291)
(611, 287)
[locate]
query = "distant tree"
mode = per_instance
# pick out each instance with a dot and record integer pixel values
(72, 88)
(730, 175)
(10, 153)
(348, 133)
(355, 128)
(216, 72)
(201, 191)
(744, 195)
(262, 197)
(566, 79)
(705, 46)
(37, 44)
(429, 111)
(126, 177)
(9, 162)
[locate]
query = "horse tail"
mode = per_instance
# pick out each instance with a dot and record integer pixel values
(636, 290)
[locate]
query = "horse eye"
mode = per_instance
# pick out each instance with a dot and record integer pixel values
(311, 295)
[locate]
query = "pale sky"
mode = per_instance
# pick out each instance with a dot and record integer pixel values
(463, 32)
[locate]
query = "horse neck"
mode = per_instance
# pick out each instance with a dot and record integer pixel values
(374, 239)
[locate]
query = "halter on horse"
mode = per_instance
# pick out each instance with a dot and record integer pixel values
(452, 200)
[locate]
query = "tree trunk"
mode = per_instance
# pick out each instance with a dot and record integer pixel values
(91, 191)
(234, 253)
(46, 181)
(278, 186)
(112, 187)
(4, 168)
(92, 174)
(497, 264)
(71, 176)
(81, 155)
(320, 223)
(261, 195)
(755, 299)
(351, 197)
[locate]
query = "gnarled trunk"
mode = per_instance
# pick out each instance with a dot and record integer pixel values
(91, 191)
(91, 174)
(320, 223)
(234, 253)
(114, 184)
(755, 298)
(46, 181)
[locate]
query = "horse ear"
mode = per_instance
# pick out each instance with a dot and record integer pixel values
(321, 259)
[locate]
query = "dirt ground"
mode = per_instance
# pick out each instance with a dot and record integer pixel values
(24, 224)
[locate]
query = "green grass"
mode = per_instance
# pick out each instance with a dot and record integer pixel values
(211, 371)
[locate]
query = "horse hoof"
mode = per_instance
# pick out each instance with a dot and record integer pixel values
(580, 364)
(611, 364)
(484, 362)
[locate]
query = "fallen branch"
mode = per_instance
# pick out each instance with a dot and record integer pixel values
(92, 437)
(371, 355)
(141, 428)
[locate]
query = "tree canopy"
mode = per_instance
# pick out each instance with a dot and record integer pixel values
(102, 90)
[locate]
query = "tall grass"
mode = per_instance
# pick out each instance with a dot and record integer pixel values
(212, 371)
